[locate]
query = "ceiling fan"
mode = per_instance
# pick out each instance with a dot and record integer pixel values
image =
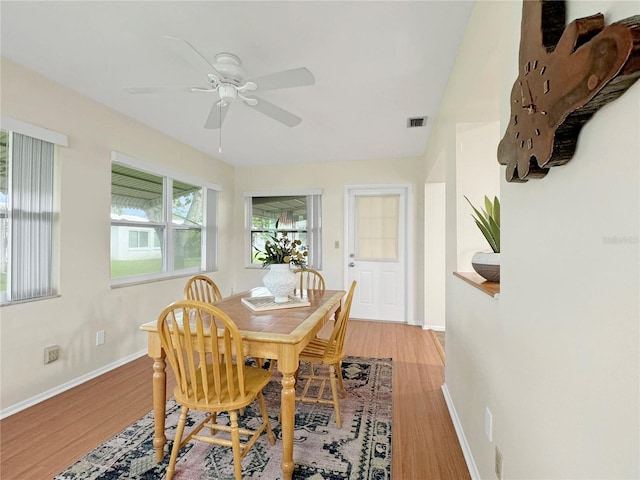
(227, 79)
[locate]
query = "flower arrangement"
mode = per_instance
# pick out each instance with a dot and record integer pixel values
(282, 250)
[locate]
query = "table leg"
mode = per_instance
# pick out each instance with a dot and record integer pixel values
(159, 405)
(287, 417)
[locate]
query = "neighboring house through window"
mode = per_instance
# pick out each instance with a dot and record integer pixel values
(160, 225)
(297, 213)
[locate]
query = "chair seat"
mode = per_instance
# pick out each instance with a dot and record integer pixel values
(255, 380)
(318, 351)
(315, 349)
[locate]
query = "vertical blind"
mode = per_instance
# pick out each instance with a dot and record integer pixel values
(31, 217)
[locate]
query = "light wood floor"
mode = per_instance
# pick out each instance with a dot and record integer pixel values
(43, 440)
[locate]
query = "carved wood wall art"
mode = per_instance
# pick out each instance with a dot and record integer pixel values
(565, 76)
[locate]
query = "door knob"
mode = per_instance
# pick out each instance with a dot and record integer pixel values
(351, 264)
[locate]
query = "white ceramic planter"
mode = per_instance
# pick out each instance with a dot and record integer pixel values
(487, 265)
(280, 281)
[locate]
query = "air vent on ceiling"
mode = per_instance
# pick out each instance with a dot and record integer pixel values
(413, 122)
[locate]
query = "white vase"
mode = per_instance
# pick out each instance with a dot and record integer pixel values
(487, 265)
(280, 281)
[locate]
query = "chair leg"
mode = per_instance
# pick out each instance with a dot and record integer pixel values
(176, 442)
(265, 418)
(211, 424)
(343, 392)
(235, 443)
(334, 392)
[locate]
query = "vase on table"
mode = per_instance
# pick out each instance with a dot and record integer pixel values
(280, 281)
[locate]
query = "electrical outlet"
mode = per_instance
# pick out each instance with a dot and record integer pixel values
(488, 424)
(336, 244)
(51, 354)
(100, 337)
(499, 463)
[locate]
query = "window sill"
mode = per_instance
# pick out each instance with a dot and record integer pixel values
(4, 303)
(140, 280)
(472, 278)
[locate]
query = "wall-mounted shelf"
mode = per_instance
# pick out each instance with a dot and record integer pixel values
(472, 278)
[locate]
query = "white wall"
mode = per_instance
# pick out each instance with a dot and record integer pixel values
(434, 255)
(557, 358)
(87, 303)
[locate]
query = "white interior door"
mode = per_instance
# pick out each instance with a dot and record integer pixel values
(377, 252)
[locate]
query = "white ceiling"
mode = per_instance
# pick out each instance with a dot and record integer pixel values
(375, 64)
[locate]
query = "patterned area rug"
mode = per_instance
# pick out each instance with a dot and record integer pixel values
(360, 450)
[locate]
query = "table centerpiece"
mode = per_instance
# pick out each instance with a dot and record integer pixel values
(278, 254)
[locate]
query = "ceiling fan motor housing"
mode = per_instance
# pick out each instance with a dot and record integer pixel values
(229, 65)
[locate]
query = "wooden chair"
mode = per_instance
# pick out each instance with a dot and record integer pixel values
(202, 288)
(208, 381)
(327, 352)
(308, 279)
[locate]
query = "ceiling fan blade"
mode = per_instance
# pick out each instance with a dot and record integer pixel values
(275, 112)
(193, 49)
(216, 115)
(157, 89)
(297, 77)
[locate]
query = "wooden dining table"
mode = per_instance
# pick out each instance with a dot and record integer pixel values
(279, 334)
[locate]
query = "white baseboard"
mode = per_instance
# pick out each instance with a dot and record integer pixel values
(5, 412)
(466, 450)
(436, 328)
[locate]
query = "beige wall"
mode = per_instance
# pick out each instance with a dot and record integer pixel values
(556, 358)
(86, 302)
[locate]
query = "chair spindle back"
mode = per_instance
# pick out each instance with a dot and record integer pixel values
(309, 279)
(335, 344)
(203, 289)
(200, 341)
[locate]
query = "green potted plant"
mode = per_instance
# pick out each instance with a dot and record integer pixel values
(487, 264)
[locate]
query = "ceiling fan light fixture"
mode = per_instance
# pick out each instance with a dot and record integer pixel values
(227, 92)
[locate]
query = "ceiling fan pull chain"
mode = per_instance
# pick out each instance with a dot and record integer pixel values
(220, 131)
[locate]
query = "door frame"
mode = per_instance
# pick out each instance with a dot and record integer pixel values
(409, 269)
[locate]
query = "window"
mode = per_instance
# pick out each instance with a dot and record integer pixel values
(160, 226)
(27, 210)
(377, 220)
(138, 239)
(297, 214)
